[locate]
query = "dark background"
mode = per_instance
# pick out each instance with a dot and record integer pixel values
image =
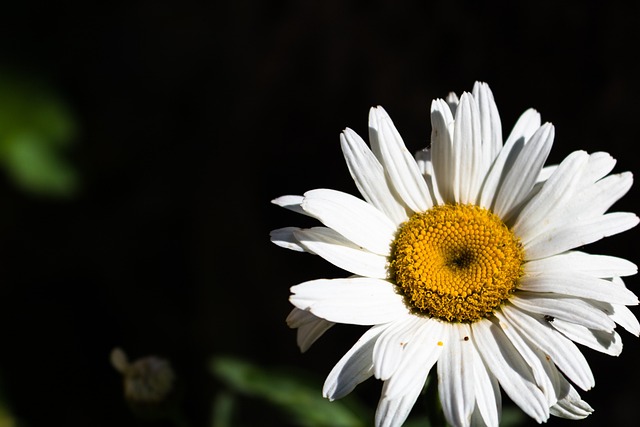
(193, 116)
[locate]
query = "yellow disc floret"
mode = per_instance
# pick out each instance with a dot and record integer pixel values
(456, 262)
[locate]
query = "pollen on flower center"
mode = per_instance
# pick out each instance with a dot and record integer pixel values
(456, 262)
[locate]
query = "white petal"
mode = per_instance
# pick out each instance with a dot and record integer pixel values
(309, 327)
(570, 309)
(521, 175)
(562, 351)
(570, 201)
(525, 127)
(600, 164)
(507, 365)
(452, 101)
(394, 412)
(284, 238)
(368, 175)
(290, 202)
(555, 192)
(421, 353)
(390, 347)
(546, 173)
(489, 123)
(625, 318)
(400, 392)
(339, 251)
(357, 301)
(354, 218)
(353, 368)
(544, 371)
(593, 265)
(578, 285)
(595, 199)
(442, 150)
(605, 342)
(571, 406)
(575, 190)
(618, 312)
(487, 392)
(456, 386)
(398, 162)
(467, 151)
(423, 159)
(573, 234)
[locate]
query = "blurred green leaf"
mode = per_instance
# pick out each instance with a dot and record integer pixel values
(417, 422)
(289, 391)
(511, 416)
(223, 406)
(35, 129)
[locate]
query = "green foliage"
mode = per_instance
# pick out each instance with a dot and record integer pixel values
(35, 128)
(297, 397)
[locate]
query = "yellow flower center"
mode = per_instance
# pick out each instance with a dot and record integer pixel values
(456, 262)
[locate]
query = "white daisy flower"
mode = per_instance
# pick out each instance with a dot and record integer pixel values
(466, 258)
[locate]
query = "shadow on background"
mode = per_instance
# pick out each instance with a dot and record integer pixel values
(184, 121)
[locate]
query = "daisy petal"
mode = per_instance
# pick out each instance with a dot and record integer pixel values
(423, 159)
(487, 392)
(290, 202)
(309, 327)
(390, 347)
(442, 151)
(452, 101)
(455, 375)
(368, 175)
(595, 199)
(354, 218)
(398, 162)
(467, 151)
(285, 238)
(579, 285)
(507, 365)
(600, 164)
(400, 392)
(570, 309)
(578, 233)
(490, 124)
(625, 318)
(356, 301)
(549, 210)
(559, 188)
(420, 355)
(595, 265)
(545, 373)
(353, 368)
(604, 342)
(339, 251)
(571, 406)
(522, 174)
(562, 351)
(525, 127)
(394, 412)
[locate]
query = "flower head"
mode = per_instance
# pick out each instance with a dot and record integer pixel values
(465, 257)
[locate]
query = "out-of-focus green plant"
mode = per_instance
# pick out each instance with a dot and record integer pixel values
(36, 127)
(7, 418)
(297, 397)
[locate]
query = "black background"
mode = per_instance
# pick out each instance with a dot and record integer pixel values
(193, 116)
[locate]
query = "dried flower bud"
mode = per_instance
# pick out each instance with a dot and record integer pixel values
(148, 382)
